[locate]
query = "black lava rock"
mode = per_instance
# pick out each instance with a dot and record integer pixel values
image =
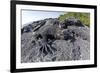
(53, 40)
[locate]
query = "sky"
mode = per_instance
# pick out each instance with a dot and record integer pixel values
(31, 15)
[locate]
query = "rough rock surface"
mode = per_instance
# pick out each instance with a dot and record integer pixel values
(53, 40)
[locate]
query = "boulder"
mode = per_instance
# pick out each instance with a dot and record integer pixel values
(52, 40)
(72, 22)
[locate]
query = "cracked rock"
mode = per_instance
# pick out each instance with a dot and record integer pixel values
(52, 40)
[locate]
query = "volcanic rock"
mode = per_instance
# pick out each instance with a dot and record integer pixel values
(53, 40)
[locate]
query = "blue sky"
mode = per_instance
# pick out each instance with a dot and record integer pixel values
(29, 15)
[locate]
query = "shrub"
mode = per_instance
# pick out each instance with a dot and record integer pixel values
(83, 17)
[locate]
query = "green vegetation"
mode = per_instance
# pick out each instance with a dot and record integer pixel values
(83, 17)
